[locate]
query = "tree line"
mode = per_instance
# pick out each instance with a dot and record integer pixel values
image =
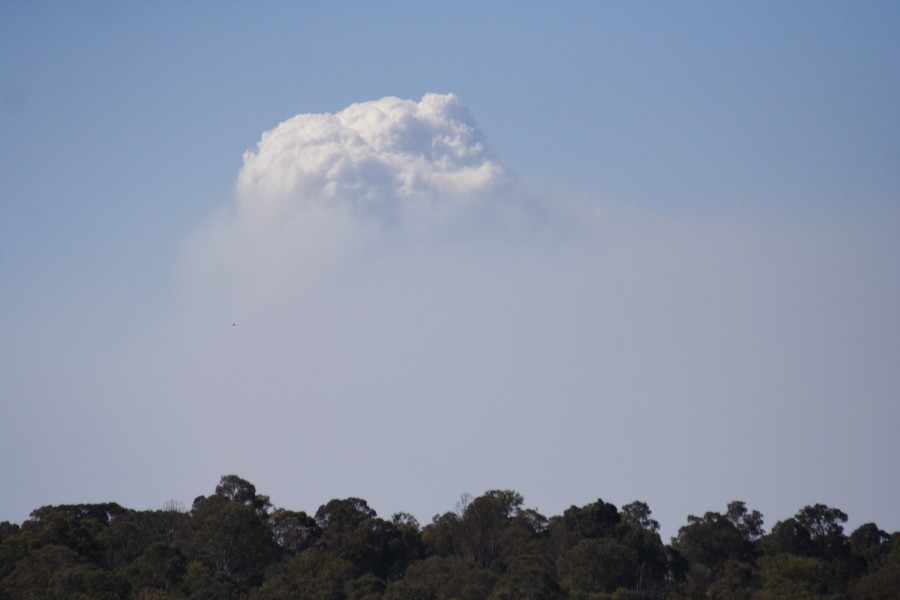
(234, 544)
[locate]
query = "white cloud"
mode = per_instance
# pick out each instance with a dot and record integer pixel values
(324, 189)
(389, 159)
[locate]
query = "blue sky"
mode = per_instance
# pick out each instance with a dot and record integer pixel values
(722, 184)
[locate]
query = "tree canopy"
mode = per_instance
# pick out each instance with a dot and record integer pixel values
(235, 544)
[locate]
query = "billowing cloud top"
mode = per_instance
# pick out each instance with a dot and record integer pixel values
(321, 189)
(391, 159)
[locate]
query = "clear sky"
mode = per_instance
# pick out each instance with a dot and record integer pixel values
(645, 250)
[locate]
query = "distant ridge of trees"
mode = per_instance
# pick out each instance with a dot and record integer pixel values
(234, 544)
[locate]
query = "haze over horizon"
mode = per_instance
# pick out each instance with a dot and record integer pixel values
(602, 253)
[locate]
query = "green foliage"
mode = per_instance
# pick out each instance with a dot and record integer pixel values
(8, 529)
(160, 567)
(312, 574)
(708, 542)
(599, 565)
(529, 577)
(443, 536)
(56, 572)
(13, 548)
(824, 526)
(739, 581)
(787, 537)
(881, 584)
(592, 521)
(790, 577)
(443, 578)
(353, 532)
(129, 536)
(235, 489)
(867, 538)
(484, 523)
(229, 537)
(235, 545)
(75, 526)
(883, 580)
(202, 583)
(637, 514)
(37, 574)
(341, 516)
(293, 531)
